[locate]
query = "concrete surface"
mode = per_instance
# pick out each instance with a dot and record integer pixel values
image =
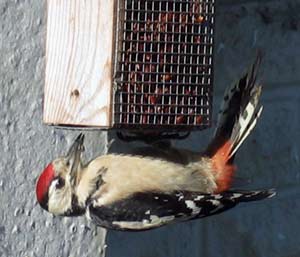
(269, 158)
(27, 145)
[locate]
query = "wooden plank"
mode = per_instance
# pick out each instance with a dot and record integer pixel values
(79, 54)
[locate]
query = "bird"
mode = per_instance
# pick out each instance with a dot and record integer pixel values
(136, 192)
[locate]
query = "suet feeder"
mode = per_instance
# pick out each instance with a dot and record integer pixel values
(130, 64)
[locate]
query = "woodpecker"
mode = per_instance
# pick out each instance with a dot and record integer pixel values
(134, 192)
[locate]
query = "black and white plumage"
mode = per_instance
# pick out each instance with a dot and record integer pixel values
(139, 192)
(143, 211)
(239, 111)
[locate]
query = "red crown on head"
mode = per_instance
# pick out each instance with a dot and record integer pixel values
(43, 183)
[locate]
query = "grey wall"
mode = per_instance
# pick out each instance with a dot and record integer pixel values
(27, 145)
(269, 158)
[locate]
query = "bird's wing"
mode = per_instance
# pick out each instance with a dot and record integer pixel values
(143, 211)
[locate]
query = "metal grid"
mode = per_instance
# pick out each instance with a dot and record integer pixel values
(164, 64)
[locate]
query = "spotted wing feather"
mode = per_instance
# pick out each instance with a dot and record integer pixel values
(143, 211)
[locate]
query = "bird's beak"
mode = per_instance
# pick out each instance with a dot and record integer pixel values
(74, 156)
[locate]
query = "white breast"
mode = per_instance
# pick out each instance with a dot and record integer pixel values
(127, 174)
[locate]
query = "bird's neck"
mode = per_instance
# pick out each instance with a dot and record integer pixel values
(87, 184)
(77, 209)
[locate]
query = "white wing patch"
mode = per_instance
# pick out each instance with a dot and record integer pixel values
(235, 196)
(218, 197)
(191, 205)
(198, 198)
(215, 202)
(144, 224)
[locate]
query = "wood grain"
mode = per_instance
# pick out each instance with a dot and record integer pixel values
(79, 51)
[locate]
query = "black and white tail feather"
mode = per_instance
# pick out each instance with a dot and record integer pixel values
(239, 111)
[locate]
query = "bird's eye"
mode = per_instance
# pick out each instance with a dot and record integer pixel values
(60, 183)
(68, 163)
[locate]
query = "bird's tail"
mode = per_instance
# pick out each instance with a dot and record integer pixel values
(238, 115)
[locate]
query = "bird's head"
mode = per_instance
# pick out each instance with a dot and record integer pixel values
(55, 188)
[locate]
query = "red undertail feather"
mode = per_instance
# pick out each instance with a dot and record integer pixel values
(224, 170)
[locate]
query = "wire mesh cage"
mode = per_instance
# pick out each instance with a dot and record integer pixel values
(164, 64)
